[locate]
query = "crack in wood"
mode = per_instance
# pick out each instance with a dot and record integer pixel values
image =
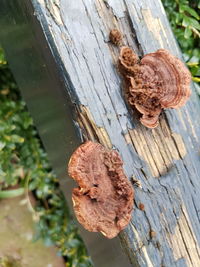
(90, 130)
(53, 6)
(154, 25)
(88, 59)
(164, 149)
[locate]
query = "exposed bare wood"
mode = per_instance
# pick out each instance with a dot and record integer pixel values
(165, 160)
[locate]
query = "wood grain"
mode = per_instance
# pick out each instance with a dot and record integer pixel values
(166, 160)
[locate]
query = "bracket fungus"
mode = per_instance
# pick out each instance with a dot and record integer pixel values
(104, 199)
(159, 80)
(115, 36)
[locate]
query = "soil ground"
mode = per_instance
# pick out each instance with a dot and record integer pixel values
(16, 232)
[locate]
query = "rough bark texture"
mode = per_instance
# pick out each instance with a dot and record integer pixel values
(166, 160)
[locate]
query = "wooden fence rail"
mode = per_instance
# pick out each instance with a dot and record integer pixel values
(61, 57)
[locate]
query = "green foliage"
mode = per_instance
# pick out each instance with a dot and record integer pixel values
(184, 18)
(23, 163)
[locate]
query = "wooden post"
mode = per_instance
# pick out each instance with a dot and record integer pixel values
(61, 57)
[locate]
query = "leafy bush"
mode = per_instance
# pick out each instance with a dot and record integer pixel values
(23, 162)
(184, 19)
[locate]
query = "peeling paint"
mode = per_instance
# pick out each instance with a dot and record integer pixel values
(160, 147)
(119, 7)
(165, 147)
(155, 26)
(183, 241)
(136, 236)
(180, 144)
(90, 129)
(127, 138)
(148, 261)
(54, 8)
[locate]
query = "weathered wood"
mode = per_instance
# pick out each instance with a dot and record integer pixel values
(166, 159)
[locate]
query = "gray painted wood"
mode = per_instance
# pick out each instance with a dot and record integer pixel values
(166, 159)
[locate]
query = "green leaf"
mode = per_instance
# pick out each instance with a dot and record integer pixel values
(178, 18)
(187, 33)
(2, 176)
(196, 79)
(187, 21)
(11, 193)
(2, 57)
(2, 145)
(17, 139)
(192, 64)
(190, 10)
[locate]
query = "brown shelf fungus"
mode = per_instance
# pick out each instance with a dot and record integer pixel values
(115, 36)
(104, 199)
(159, 80)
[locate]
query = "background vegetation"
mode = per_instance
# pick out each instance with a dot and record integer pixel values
(23, 161)
(24, 165)
(184, 19)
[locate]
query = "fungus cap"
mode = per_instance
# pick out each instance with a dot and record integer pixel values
(160, 80)
(115, 36)
(104, 199)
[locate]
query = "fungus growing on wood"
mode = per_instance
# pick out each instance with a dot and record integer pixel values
(104, 199)
(152, 234)
(141, 206)
(159, 80)
(115, 36)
